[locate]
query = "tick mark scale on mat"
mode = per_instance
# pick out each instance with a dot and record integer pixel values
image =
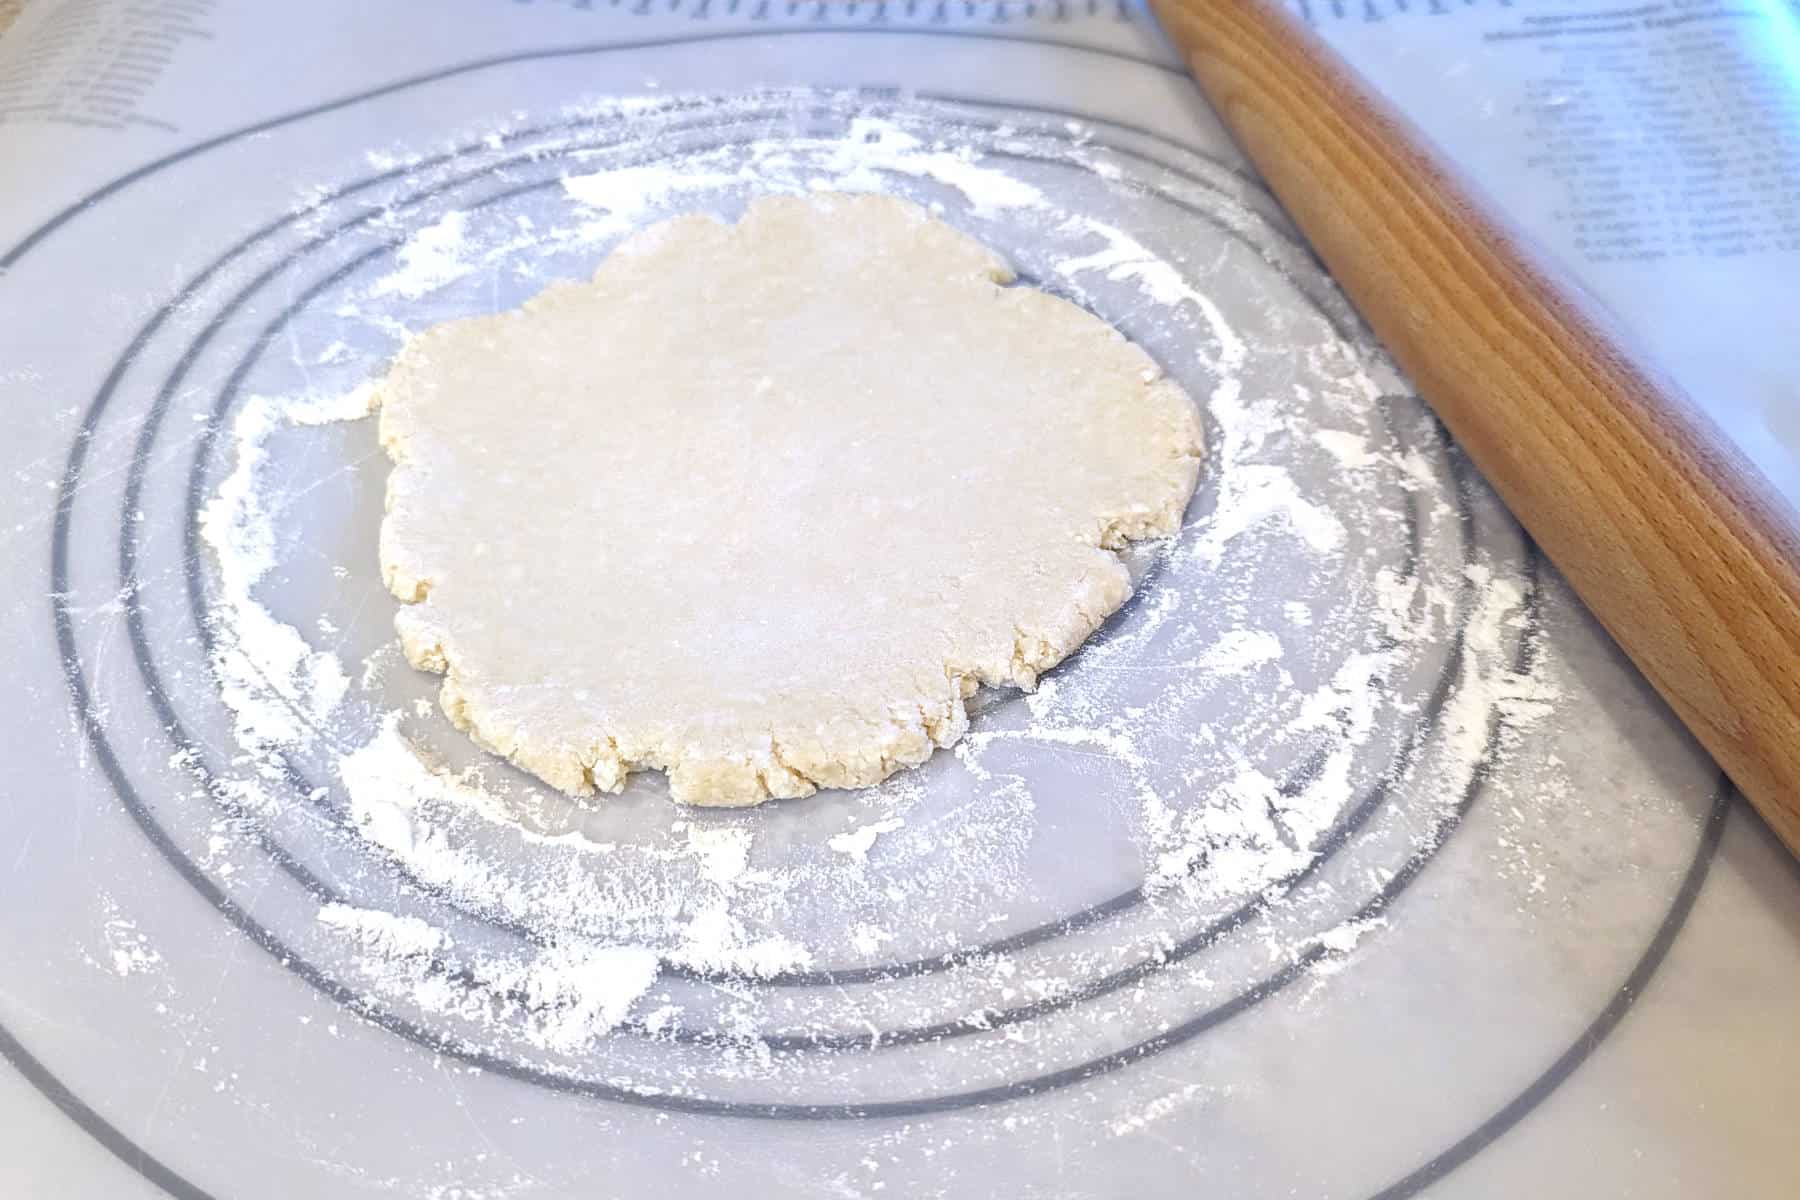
(1000, 12)
(1671, 537)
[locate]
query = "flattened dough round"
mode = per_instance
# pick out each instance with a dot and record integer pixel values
(761, 504)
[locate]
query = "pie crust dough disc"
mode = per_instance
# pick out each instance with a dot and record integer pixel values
(760, 505)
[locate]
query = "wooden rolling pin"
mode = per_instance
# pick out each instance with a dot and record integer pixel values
(1675, 542)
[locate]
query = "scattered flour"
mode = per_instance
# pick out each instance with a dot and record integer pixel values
(127, 948)
(1228, 734)
(433, 257)
(858, 842)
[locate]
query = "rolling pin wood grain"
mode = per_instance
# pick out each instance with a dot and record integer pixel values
(1668, 534)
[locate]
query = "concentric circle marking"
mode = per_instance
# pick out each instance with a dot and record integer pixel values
(305, 787)
(111, 767)
(1337, 840)
(1117, 980)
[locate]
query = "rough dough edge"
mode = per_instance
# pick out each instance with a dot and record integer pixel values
(786, 772)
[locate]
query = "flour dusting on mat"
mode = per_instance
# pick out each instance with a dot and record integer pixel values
(1319, 658)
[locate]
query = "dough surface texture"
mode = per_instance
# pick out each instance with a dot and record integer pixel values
(760, 505)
